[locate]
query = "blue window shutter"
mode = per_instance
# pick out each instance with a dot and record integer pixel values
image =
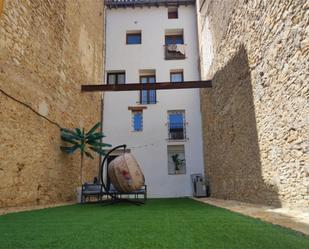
(138, 121)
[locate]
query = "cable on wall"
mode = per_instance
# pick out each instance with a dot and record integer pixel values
(29, 107)
(146, 145)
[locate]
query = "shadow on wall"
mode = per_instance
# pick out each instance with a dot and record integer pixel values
(232, 155)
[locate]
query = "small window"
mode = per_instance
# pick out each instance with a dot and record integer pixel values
(176, 125)
(137, 120)
(176, 159)
(177, 76)
(134, 38)
(116, 78)
(172, 12)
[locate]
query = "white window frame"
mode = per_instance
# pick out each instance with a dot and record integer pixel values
(172, 150)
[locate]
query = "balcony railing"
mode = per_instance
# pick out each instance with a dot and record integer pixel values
(175, 51)
(176, 131)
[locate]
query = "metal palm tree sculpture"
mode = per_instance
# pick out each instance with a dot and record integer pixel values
(177, 161)
(84, 143)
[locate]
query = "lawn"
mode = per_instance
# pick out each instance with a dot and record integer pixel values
(169, 223)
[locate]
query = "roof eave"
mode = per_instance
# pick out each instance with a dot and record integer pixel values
(144, 3)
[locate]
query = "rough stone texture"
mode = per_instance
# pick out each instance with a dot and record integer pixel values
(256, 117)
(1, 6)
(48, 49)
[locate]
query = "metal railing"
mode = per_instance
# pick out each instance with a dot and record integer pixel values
(176, 131)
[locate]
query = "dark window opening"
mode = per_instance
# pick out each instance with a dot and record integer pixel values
(172, 13)
(148, 96)
(134, 38)
(116, 78)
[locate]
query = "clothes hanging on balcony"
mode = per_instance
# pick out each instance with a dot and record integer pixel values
(180, 48)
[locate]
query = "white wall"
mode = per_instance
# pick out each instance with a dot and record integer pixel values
(205, 42)
(150, 55)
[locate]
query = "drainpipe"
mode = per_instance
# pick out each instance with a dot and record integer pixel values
(103, 80)
(199, 43)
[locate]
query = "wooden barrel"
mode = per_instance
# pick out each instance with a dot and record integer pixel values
(125, 173)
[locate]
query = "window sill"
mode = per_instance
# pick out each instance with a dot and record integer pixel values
(177, 174)
(139, 103)
(175, 58)
(177, 140)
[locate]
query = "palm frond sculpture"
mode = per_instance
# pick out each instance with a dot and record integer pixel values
(178, 163)
(83, 142)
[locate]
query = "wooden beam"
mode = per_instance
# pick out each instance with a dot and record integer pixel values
(147, 86)
(137, 108)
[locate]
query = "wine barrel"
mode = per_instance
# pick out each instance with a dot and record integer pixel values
(125, 173)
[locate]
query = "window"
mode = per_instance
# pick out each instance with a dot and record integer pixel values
(176, 159)
(148, 96)
(176, 125)
(134, 37)
(137, 120)
(175, 49)
(173, 39)
(176, 76)
(116, 78)
(172, 12)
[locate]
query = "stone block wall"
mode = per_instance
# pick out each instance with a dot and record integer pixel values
(256, 116)
(48, 49)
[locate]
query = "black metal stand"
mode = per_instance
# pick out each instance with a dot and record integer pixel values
(114, 197)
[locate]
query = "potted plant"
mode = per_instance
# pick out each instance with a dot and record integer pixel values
(84, 142)
(178, 163)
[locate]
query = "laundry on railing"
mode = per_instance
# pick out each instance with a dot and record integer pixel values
(180, 48)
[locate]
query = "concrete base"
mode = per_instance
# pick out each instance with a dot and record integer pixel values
(297, 220)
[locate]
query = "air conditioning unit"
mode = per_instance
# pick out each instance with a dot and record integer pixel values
(199, 185)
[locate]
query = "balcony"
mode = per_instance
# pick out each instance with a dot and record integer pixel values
(176, 131)
(175, 51)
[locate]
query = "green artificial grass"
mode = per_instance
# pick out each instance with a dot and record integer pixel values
(160, 224)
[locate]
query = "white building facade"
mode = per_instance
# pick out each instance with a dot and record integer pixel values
(150, 44)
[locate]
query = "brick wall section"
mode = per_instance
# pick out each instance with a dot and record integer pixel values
(48, 49)
(255, 119)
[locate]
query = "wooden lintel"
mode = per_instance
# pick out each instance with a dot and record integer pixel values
(137, 108)
(148, 86)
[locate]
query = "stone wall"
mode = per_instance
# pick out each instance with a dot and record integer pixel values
(255, 118)
(1, 6)
(48, 49)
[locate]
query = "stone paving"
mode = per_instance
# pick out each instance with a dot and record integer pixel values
(296, 219)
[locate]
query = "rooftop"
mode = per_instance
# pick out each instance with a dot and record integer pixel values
(142, 3)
